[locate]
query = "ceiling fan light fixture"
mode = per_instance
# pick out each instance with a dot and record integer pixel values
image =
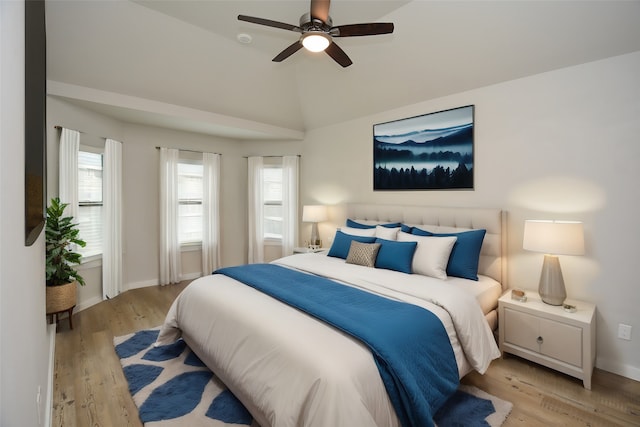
(315, 41)
(317, 32)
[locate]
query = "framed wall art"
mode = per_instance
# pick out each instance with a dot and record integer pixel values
(35, 120)
(429, 152)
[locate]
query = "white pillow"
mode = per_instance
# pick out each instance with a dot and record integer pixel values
(387, 233)
(366, 232)
(432, 254)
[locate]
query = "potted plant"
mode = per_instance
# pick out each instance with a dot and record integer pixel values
(61, 277)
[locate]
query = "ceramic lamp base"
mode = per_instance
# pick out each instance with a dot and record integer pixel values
(315, 237)
(551, 287)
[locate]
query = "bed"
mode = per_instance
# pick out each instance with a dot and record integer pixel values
(291, 369)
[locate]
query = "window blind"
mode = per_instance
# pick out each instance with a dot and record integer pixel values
(90, 202)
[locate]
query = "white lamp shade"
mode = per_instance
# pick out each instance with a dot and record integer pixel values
(554, 237)
(314, 213)
(315, 41)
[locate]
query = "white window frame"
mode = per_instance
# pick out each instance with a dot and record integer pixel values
(193, 159)
(94, 260)
(270, 240)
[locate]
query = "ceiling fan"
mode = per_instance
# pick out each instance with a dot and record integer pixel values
(317, 32)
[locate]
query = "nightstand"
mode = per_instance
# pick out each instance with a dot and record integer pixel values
(305, 250)
(549, 335)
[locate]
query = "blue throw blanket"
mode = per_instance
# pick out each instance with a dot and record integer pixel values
(409, 344)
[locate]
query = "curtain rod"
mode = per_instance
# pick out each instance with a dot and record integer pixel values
(190, 151)
(61, 127)
(79, 131)
(298, 155)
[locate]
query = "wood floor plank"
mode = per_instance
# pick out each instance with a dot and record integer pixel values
(91, 390)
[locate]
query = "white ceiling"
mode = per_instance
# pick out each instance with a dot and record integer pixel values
(177, 63)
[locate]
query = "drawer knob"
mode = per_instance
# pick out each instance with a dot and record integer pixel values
(540, 340)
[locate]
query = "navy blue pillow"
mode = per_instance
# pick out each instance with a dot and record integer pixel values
(342, 243)
(465, 255)
(405, 228)
(351, 223)
(395, 255)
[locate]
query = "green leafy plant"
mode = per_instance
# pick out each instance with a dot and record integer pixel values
(61, 233)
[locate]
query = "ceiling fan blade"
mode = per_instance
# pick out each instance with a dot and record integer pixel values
(353, 30)
(269, 23)
(338, 55)
(320, 10)
(293, 48)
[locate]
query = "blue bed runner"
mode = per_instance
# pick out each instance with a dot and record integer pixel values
(409, 344)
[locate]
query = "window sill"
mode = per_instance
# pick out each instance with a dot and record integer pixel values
(272, 242)
(191, 247)
(90, 262)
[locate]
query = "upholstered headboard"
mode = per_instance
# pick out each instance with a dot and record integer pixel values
(493, 261)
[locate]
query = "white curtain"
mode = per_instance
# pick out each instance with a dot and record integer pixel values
(289, 204)
(68, 171)
(112, 220)
(210, 212)
(256, 208)
(170, 265)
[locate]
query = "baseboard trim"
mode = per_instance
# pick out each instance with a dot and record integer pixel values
(626, 371)
(155, 282)
(129, 286)
(144, 284)
(86, 304)
(192, 276)
(48, 408)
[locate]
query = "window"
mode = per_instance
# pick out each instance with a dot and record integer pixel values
(90, 202)
(272, 191)
(190, 201)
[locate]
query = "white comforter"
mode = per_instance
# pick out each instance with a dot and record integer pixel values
(290, 369)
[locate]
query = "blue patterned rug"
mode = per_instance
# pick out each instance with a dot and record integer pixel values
(171, 387)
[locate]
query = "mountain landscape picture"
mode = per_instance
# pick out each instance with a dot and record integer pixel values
(429, 152)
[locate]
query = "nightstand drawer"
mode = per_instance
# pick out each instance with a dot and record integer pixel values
(547, 337)
(561, 341)
(521, 329)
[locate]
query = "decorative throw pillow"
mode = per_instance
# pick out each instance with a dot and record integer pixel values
(342, 244)
(387, 233)
(353, 224)
(369, 232)
(395, 255)
(363, 253)
(432, 254)
(406, 228)
(465, 255)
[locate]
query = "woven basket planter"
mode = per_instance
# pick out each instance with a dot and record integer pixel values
(61, 298)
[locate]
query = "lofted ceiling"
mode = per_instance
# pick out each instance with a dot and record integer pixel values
(178, 63)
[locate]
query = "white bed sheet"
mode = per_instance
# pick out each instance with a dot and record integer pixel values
(290, 369)
(486, 290)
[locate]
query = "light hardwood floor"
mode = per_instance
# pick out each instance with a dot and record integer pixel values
(90, 388)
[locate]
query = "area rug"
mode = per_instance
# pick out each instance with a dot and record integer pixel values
(171, 387)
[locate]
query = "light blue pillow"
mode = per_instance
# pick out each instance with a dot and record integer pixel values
(342, 243)
(351, 223)
(394, 255)
(465, 255)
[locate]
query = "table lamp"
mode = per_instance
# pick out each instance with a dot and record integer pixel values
(314, 214)
(553, 238)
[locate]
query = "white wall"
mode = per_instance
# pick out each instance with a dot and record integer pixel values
(141, 221)
(141, 197)
(559, 145)
(546, 147)
(24, 343)
(94, 128)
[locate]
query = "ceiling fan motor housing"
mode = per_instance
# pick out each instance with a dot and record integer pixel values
(318, 31)
(308, 24)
